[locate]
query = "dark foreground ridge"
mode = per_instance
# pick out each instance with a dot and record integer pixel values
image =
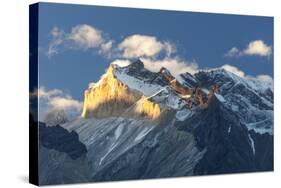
(60, 139)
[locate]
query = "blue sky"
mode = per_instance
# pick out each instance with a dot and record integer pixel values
(199, 40)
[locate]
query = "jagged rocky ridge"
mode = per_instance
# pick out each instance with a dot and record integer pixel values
(129, 140)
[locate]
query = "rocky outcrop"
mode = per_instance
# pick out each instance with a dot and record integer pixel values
(62, 157)
(230, 147)
(59, 139)
(112, 98)
(55, 117)
(147, 108)
(109, 97)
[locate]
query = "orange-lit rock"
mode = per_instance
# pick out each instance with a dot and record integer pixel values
(148, 109)
(111, 98)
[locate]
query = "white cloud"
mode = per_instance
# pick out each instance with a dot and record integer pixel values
(143, 46)
(264, 81)
(265, 78)
(106, 48)
(57, 40)
(56, 100)
(169, 48)
(233, 52)
(121, 62)
(86, 36)
(57, 32)
(175, 65)
(43, 93)
(65, 102)
(92, 84)
(256, 47)
(234, 70)
(80, 37)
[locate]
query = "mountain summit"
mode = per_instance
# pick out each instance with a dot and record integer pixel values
(111, 97)
(135, 92)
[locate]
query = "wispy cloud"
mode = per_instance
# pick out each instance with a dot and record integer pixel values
(58, 36)
(233, 52)
(234, 70)
(87, 37)
(82, 37)
(64, 103)
(254, 48)
(265, 80)
(154, 52)
(56, 100)
(175, 65)
(121, 62)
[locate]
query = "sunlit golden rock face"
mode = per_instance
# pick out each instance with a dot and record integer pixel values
(111, 98)
(148, 109)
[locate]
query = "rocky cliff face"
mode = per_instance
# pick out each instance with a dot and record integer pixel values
(110, 97)
(62, 157)
(251, 100)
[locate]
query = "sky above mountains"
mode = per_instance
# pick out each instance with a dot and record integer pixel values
(77, 43)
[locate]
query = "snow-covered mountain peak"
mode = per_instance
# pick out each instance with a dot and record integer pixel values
(137, 65)
(251, 99)
(134, 89)
(221, 76)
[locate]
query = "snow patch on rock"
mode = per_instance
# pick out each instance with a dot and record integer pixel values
(146, 88)
(252, 144)
(183, 114)
(220, 98)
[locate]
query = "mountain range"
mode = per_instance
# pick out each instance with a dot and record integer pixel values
(138, 124)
